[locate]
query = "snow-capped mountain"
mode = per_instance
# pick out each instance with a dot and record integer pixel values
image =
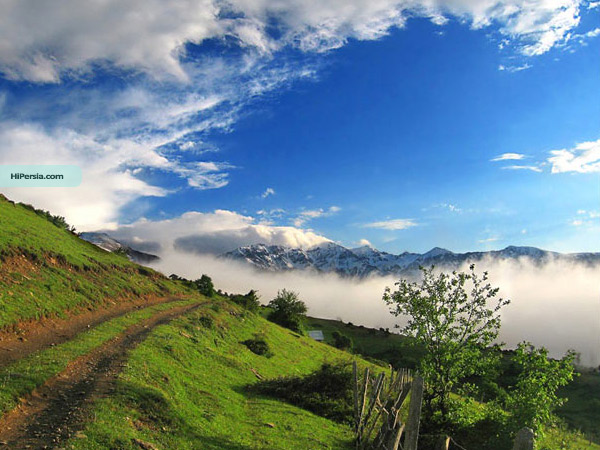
(367, 261)
(105, 242)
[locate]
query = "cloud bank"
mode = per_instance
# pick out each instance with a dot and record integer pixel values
(214, 233)
(556, 305)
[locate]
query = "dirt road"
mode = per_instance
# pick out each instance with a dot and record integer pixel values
(58, 409)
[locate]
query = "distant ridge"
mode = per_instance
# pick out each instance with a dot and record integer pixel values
(367, 261)
(105, 242)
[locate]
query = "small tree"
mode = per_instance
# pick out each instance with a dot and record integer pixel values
(454, 324)
(288, 310)
(533, 399)
(341, 341)
(205, 286)
(250, 301)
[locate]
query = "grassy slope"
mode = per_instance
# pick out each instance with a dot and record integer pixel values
(46, 270)
(23, 376)
(389, 347)
(184, 388)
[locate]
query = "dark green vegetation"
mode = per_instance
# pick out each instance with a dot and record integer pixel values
(375, 344)
(250, 301)
(580, 412)
(341, 341)
(327, 391)
(288, 310)
(46, 270)
(258, 345)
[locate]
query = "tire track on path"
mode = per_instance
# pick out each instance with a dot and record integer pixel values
(55, 411)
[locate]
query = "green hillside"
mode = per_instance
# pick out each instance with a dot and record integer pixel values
(186, 375)
(46, 270)
(186, 387)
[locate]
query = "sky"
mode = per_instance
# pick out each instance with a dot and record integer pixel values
(469, 125)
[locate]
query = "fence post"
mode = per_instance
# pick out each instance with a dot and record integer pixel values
(414, 414)
(524, 440)
(443, 443)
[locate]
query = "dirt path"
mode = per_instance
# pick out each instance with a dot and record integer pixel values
(58, 409)
(38, 335)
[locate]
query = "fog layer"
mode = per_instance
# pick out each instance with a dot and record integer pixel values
(556, 305)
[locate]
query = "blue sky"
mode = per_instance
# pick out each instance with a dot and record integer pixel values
(406, 126)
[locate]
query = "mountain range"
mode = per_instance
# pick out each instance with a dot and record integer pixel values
(367, 261)
(105, 242)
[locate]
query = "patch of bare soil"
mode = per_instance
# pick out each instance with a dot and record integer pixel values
(58, 409)
(35, 335)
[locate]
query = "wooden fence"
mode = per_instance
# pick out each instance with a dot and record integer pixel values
(378, 403)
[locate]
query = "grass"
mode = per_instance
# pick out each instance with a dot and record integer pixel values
(48, 271)
(582, 410)
(186, 387)
(377, 344)
(23, 376)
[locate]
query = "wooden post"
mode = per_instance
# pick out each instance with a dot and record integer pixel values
(443, 443)
(524, 440)
(414, 414)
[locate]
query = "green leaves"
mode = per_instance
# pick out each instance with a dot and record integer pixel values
(455, 317)
(533, 398)
(288, 310)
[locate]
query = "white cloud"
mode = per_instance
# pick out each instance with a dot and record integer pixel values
(585, 217)
(488, 240)
(519, 167)
(514, 69)
(216, 232)
(392, 224)
(363, 242)
(268, 191)
(205, 174)
(46, 41)
(310, 214)
(508, 156)
(108, 182)
(583, 158)
(449, 206)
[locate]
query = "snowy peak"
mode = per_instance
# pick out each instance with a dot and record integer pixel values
(105, 242)
(367, 261)
(435, 252)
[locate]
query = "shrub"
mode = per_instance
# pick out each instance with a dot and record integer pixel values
(250, 301)
(288, 310)
(326, 392)
(205, 286)
(258, 346)
(341, 341)
(533, 399)
(206, 322)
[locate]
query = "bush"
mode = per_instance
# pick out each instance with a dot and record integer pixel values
(258, 346)
(326, 392)
(534, 398)
(341, 341)
(205, 286)
(250, 301)
(288, 310)
(206, 322)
